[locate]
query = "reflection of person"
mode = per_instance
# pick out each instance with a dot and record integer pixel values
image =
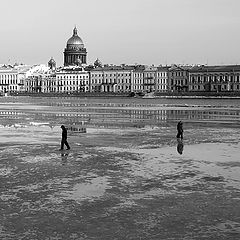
(180, 146)
(180, 130)
(64, 158)
(64, 138)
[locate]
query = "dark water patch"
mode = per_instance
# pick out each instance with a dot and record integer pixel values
(229, 229)
(180, 175)
(191, 188)
(213, 179)
(229, 164)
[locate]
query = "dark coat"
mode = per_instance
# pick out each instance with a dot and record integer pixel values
(180, 127)
(64, 132)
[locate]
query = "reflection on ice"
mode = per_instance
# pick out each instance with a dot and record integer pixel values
(64, 157)
(5, 171)
(39, 123)
(180, 146)
(201, 158)
(76, 112)
(92, 189)
(228, 227)
(39, 158)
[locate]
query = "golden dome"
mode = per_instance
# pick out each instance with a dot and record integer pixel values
(75, 40)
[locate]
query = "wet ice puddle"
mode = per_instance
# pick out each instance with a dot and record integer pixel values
(210, 161)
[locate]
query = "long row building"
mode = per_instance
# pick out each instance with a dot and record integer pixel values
(120, 79)
(76, 76)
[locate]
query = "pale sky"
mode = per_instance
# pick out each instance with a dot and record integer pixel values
(122, 31)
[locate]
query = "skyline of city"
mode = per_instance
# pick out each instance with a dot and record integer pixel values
(143, 32)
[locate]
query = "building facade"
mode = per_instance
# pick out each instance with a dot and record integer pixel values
(9, 79)
(149, 79)
(162, 79)
(115, 79)
(124, 78)
(178, 77)
(137, 85)
(72, 79)
(37, 79)
(214, 78)
(40, 83)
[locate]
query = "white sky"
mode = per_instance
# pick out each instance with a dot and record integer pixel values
(122, 31)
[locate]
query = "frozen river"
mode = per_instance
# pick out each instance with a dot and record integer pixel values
(123, 178)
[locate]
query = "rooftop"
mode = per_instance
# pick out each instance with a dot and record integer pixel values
(218, 68)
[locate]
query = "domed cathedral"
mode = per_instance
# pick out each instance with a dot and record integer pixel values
(75, 53)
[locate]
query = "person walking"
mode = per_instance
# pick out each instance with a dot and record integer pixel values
(180, 130)
(64, 138)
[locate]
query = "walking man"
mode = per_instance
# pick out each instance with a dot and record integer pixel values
(64, 138)
(180, 130)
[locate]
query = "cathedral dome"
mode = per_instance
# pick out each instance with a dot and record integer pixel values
(75, 50)
(75, 40)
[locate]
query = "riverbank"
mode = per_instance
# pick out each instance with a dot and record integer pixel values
(156, 95)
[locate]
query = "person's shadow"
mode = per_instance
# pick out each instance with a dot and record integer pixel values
(64, 157)
(180, 146)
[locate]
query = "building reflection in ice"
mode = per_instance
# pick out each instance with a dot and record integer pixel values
(116, 115)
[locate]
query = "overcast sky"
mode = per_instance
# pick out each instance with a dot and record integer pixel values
(122, 31)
